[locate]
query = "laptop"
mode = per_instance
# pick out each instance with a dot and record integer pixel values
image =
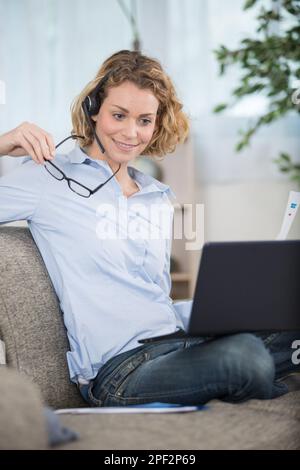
(245, 286)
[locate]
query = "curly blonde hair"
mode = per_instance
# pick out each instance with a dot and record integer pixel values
(172, 124)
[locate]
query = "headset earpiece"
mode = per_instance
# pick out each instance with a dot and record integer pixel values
(92, 104)
(92, 101)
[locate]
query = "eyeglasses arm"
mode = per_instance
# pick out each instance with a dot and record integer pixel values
(102, 184)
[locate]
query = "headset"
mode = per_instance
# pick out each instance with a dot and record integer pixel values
(91, 104)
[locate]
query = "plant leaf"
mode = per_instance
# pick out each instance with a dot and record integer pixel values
(249, 4)
(219, 108)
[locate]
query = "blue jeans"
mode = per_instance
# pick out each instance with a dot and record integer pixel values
(193, 370)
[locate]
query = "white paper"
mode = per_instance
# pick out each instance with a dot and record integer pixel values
(128, 409)
(289, 215)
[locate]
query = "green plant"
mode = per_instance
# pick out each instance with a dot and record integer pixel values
(131, 15)
(271, 65)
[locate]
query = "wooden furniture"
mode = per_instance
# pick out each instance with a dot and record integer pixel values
(178, 171)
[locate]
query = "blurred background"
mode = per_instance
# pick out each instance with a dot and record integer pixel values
(50, 49)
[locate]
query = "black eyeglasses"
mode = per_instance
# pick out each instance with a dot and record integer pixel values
(74, 185)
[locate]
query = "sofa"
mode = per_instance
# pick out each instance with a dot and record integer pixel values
(34, 374)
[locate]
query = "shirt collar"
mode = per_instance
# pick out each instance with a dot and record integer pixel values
(147, 182)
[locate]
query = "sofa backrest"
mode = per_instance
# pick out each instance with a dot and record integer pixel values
(31, 322)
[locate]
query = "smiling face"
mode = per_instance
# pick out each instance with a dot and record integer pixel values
(125, 122)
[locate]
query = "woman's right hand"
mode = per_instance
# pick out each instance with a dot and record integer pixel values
(28, 139)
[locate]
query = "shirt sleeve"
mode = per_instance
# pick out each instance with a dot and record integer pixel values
(20, 191)
(183, 310)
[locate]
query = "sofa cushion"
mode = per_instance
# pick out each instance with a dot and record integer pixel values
(23, 424)
(31, 323)
(256, 424)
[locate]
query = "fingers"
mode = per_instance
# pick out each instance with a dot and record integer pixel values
(35, 141)
(31, 148)
(51, 144)
(27, 148)
(35, 148)
(41, 143)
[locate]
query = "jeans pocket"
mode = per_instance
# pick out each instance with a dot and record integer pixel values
(118, 382)
(93, 400)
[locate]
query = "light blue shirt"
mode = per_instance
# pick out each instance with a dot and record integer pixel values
(113, 291)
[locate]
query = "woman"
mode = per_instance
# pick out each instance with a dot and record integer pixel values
(86, 212)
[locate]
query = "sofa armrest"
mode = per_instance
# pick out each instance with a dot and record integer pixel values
(23, 424)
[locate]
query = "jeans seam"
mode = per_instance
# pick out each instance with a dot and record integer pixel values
(166, 395)
(184, 391)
